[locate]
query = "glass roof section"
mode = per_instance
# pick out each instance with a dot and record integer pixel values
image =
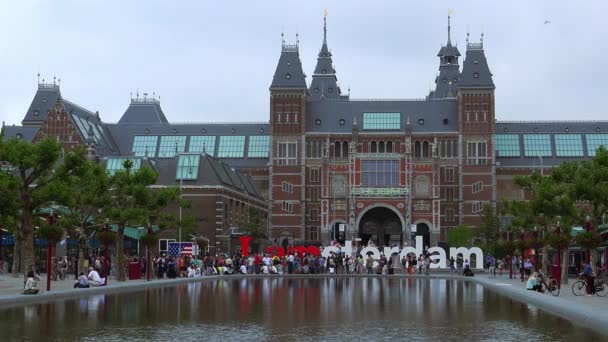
(202, 143)
(568, 145)
(231, 146)
(145, 145)
(114, 165)
(594, 141)
(381, 121)
(537, 145)
(507, 145)
(259, 146)
(170, 145)
(187, 166)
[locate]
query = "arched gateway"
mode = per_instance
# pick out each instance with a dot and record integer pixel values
(381, 224)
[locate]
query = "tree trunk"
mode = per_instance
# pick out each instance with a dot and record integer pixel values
(545, 261)
(28, 241)
(17, 255)
(120, 254)
(565, 265)
(81, 257)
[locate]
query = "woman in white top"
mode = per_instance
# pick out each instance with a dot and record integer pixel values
(95, 279)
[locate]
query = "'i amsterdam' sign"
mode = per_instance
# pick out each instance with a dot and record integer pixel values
(438, 255)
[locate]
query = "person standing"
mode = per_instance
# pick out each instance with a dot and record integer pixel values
(492, 267)
(369, 263)
(452, 267)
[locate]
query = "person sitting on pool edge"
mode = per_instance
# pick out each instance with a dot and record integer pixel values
(82, 282)
(533, 284)
(30, 284)
(95, 279)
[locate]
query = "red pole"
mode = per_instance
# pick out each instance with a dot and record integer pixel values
(588, 229)
(148, 263)
(49, 252)
(536, 258)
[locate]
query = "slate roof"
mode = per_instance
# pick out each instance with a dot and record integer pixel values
(125, 134)
(438, 115)
(143, 112)
(289, 73)
(43, 100)
(211, 172)
(25, 133)
(475, 70)
(546, 127)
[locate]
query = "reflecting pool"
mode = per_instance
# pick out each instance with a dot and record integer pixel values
(288, 309)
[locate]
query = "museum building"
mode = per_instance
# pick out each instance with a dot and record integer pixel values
(329, 167)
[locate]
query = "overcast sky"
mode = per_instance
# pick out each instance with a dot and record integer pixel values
(214, 60)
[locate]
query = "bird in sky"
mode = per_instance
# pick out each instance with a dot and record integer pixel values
(547, 22)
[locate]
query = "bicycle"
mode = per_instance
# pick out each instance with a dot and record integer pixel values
(552, 287)
(579, 288)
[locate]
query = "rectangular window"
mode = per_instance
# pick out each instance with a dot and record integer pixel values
(477, 153)
(314, 175)
(287, 154)
(507, 145)
(380, 173)
(170, 145)
(231, 146)
(381, 121)
(537, 145)
(114, 165)
(477, 187)
(594, 141)
(187, 167)
(287, 187)
(476, 207)
(288, 207)
(259, 146)
(314, 214)
(449, 174)
(449, 194)
(145, 145)
(568, 145)
(449, 215)
(313, 234)
(202, 143)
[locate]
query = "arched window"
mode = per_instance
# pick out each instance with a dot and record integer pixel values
(417, 149)
(381, 147)
(337, 150)
(389, 147)
(425, 149)
(373, 148)
(442, 147)
(454, 148)
(345, 149)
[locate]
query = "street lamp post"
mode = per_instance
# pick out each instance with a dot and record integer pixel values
(559, 252)
(106, 265)
(49, 254)
(509, 238)
(148, 261)
(523, 248)
(536, 258)
(588, 229)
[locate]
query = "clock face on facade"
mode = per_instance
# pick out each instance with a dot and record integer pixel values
(339, 186)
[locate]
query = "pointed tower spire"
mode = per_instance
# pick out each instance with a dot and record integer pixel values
(325, 27)
(449, 73)
(324, 85)
(449, 27)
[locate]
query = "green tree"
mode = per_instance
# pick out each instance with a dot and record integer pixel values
(135, 203)
(29, 168)
(460, 236)
(255, 228)
(88, 182)
(488, 230)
